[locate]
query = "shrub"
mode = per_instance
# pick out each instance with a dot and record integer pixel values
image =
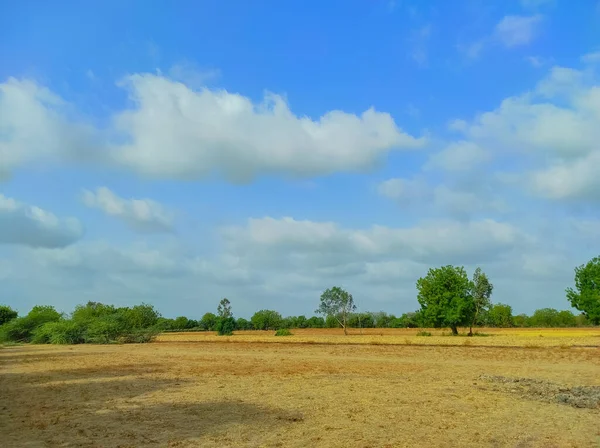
(21, 329)
(283, 332)
(139, 336)
(225, 326)
(7, 314)
(423, 333)
(61, 332)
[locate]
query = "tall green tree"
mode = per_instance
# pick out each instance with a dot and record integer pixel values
(445, 297)
(337, 303)
(266, 320)
(7, 314)
(586, 295)
(224, 309)
(481, 291)
(500, 316)
(225, 323)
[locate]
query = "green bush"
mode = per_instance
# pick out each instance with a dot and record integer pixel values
(61, 332)
(139, 336)
(225, 326)
(7, 314)
(283, 332)
(21, 329)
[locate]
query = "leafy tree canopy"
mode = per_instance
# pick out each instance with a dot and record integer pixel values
(586, 295)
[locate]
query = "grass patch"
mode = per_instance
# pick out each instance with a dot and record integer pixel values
(423, 333)
(283, 332)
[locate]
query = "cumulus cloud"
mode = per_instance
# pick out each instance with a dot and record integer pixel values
(514, 31)
(37, 127)
(180, 133)
(459, 156)
(143, 215)
(547, 138)
(22, 224)
(174, 131)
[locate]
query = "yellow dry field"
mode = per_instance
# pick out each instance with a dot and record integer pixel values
(224, 394)
(507, 337)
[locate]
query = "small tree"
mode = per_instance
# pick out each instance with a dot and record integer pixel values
(266, 320)
(7, 314)
(500, 316)
(225, 323)
(224, 309)
(586, 295)
(337, 303)
(445, 297)
(481, 292)
(208, 322)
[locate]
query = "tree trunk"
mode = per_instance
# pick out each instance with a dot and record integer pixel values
(454, 330)
(345, 331)
(470, 330)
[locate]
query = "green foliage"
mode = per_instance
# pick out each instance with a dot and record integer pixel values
(225, 326)
(445, 297)
(315, 322)
(7, 314)
(283, 332)
(91, 311)
(243, 324)
(586, 295)
(21, 329)
(208, 322)
(266, 320)
(500, 316)
(338, 303)
(60, 332)
(224, 309)
(423, 333)
(481, 291)
(359, 320)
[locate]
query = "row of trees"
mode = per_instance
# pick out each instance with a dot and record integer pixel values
(447, 296)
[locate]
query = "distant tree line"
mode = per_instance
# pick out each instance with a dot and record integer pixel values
(448, 298)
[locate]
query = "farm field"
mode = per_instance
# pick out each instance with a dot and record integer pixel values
(510, 337)
(261, 394)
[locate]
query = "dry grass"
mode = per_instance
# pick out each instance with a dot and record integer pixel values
(505, 337)
(290, 395)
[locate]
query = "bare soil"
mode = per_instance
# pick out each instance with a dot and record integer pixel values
(223, 394)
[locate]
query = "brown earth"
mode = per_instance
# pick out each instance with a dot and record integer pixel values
(223, 394)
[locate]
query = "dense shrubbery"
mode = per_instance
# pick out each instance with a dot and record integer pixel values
(91, 323)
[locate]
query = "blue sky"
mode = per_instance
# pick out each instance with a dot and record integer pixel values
(177, 153)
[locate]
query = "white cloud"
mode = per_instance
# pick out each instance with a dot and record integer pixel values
(419, 42)
(140, 214)
(550, 135)
(591, 58)
(36, 128)
(459, 156)
(515, 31)
(176, 132)
(22, 224)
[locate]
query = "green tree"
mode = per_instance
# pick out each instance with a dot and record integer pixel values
(225, 326)
(266, 320)
(243, 324)
(315, 322)
(7, 314)
(208, 322)
(481, 291)
(500, 316)
(338, 303)
(21, 329)
(445, 297)
(224, 309)
(586, 295)
(521, 321)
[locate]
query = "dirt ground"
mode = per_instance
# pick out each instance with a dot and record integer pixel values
(224, 394)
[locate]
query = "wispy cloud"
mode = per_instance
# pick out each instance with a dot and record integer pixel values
(514, 31)
(419, 44)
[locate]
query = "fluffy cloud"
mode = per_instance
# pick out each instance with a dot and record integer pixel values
(143, 215)
(26, 225)
(547, 138)
(459, 156)
(515, 31)
(176, 132)
(36, 127)
(180, 133)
